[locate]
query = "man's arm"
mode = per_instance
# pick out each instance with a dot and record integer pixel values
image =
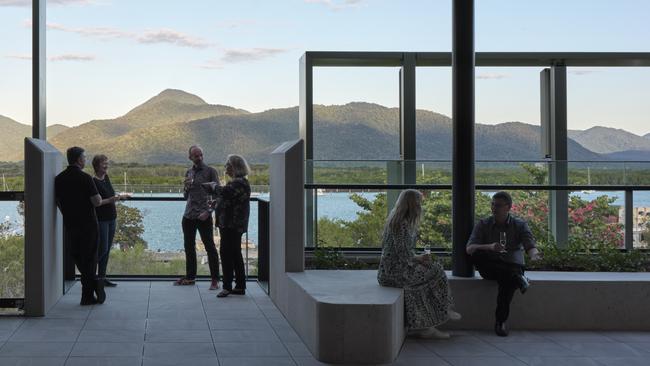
(528, 241)
(474, 243)
(96, 200)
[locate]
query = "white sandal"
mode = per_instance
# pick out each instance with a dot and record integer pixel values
(433, 332)
(454, 315)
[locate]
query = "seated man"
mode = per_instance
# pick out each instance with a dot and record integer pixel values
(496, 247)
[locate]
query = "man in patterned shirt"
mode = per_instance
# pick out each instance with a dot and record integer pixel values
(497, 248)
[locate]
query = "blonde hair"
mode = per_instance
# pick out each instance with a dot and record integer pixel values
(407, 209)
(239, 166)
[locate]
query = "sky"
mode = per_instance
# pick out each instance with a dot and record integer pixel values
(107, 56)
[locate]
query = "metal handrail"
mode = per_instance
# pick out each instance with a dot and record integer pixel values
(480, 187)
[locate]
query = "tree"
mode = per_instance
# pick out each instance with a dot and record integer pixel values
(129, 227)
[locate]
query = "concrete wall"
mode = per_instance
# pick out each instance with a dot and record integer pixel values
(287, 251)
(559, 301)
(43, 228)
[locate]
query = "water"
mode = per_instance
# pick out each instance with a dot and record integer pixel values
(162, 220)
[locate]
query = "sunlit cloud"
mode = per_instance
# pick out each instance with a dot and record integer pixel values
(250, 54)
(212, 65)
(492, 76)
(19, 57)
(71, 57)
(56, 58)
(28, 3)
(337, 4)
(156, 36)
(172, 37)
(582, 72)
(234, 24)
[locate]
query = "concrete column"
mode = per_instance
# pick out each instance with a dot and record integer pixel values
(463, 186)
(306, 129)
(407, 118)
(554, 144)
(287, 248)
(39, 124)
(43, 228)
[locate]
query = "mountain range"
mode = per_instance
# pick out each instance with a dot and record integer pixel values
(161, 129)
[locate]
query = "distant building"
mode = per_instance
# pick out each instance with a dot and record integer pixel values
(640, 220)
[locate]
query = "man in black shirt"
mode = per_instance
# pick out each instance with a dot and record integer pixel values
(497, 248)
(77, 197)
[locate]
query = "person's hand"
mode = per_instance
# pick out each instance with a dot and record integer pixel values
(188, 182)
(204, 215)
(209, 186)
(114, 199)
(498, 247)
(535, 255)
(124, 196)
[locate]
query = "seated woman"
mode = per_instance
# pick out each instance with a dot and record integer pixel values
(427, 299)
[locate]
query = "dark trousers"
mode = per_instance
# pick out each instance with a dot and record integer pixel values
(231, 259)
(83, 249)
(190, 226)
(106, 234)
(507, 277)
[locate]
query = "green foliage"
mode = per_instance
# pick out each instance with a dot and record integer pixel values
(138, 260)
(129, 227)
(331, 258)
(590, 257)
(12, 264)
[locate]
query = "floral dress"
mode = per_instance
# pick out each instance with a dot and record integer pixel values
(426, 292)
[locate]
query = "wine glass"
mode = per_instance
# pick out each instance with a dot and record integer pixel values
(503, 241)
(427, 249)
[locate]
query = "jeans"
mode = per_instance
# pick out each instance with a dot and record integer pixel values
(190, 226)
(106, 234)
(231, 259)
(507, 276)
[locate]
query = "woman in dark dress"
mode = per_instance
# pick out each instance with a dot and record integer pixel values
(232, 211)
(106, 215)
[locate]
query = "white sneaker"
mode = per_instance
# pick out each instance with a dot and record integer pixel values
(454, 315)
(434, 333)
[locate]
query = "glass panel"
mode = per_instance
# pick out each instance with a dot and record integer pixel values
(149, 239)
(356, 124)
(641, 219)
(433, 121)
(507, 114)
(15, 124)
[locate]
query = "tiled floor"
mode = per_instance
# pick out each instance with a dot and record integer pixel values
(155, 323)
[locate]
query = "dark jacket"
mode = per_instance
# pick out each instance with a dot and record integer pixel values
(233, 207)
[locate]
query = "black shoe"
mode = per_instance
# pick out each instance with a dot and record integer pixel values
(108, 283)
(238, 291)
(88, 301)
(500, 329)
(523, 283)
(99, 290)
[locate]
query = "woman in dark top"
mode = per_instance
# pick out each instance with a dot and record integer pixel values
(106, 215)
(233, 208)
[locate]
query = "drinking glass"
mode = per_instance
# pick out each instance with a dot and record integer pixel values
(427, 249)
(503, 241)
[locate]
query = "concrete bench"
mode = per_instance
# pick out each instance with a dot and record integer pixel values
(559, 301)
(345, 316)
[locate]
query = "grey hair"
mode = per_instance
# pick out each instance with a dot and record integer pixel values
(407, 210)
(239, 165)
(189, 152)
